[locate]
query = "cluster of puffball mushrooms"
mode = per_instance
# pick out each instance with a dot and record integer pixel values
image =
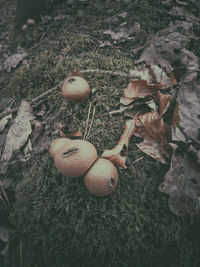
(76, 158)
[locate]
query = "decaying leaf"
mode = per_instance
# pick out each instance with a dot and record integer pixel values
(156, 137)
(118, 154)
(152, 149)
(13, 61)
(189, 111)
(182, 183)
(150, 126)
(190, 62)
(152, 129)
(161, 49)
(19, 131)
(139, 89)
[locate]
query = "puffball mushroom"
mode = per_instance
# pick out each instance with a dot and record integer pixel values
(75, 89)
(30, 22)
(75, 158)
(102, 178)
(57, 144)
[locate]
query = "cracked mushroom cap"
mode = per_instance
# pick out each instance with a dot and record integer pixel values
(75, 158)
(102, 178)
(57, 144)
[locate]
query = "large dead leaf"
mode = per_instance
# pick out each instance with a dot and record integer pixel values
(182, 182)
(118, 154)
(161, 49)
(12, 61)
(152, 129)
(189, 111)
(139, 89)
(19, 131)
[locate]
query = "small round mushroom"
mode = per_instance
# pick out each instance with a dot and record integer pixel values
(30, 22)
(75, 89)
(102, 178)
(75, 158)
(57, 144)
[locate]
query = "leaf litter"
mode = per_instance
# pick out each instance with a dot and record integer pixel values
(176, 119)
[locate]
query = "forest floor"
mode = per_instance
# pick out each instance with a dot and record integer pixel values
(48, 219)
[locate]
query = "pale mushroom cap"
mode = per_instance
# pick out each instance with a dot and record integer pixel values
(75, 89)
(102, 178)
(57, 144)
(75, 158)
(30, 22)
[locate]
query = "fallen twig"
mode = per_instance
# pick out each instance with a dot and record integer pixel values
(87, 121)
(33, 101)
(93, 114)
(115, 73)
(48, 92)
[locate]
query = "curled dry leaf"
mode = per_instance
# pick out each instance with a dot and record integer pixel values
(150, 126)
(139, 89)
(152, 129)
(119, 153)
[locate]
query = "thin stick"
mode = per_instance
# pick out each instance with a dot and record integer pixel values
(137, 160)
(48, 92)
(115, 73)
(87, 121)
(93, 114)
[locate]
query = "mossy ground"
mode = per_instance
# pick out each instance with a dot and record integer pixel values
(57, 221)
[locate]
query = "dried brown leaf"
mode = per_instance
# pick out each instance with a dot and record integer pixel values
(152, 129)
(150, 126)
(152, 149)
(119, 153)
(139, 89)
